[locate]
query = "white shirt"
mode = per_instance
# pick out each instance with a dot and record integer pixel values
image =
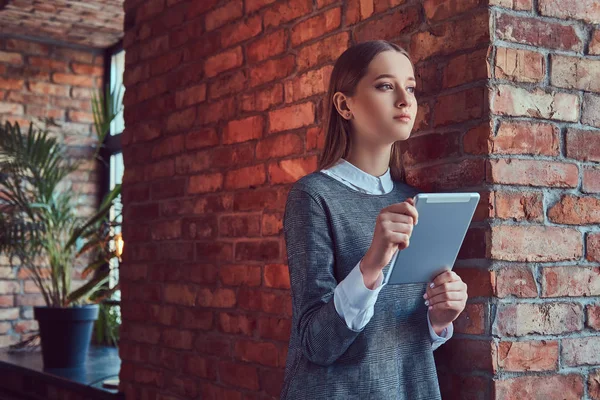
(353, 301)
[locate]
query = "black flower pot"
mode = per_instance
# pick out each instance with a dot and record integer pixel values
(65, 334)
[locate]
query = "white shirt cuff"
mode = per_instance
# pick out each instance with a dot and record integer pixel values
(438, 340)
(354, 301)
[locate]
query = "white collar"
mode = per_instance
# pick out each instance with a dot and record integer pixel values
(360, 178)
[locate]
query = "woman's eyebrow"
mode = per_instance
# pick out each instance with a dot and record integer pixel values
(393, 77)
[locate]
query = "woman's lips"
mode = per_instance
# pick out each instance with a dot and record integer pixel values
(403, 118)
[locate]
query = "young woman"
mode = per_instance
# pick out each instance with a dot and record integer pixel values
(353, 336)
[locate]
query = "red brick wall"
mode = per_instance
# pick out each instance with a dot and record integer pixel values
(544, 151)
(37, 82)
(223, 108)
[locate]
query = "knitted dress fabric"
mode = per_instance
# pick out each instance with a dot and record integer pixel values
(328, 228)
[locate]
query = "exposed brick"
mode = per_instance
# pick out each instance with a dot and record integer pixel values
(241, 31)
(594, 384)
(11, 84)
(543, 319)
(201, 367)
(548, 387)
(201, 138)
(239, 225)
(275, 328)
(49, 88)
(292, 117)
(253, 5)
(266, 47)
(528, 356)
(243, 130)
(73, 80)
(570, 281)
(521, 5)
(466, 355)
(459, 107)
(245, 177)
(11, 58)
(519, 65)
(478, 280)
(533, 173)
(11, 108)
(591, 180)
(289, 171)
(594, 48)
(239, 375)
(323, 51)
(279, 146)
(575, 210)
(593, 247)
(586, 10)
(535, 243)
(437, 10)
(286, 11)
(593, 316)
(452, 36)
(177, 339)
(583, 144)
(237, 155)
(390, 26)
(515, 281)
(190, 96)
(256, 352)
(581, 351)
(316, 26)
(218, 298)
(427, 148)
(516, 101)
(308, 84)
(265, 250)
(219, 110)
(471, 320)
(205, 183)
(220, 16)
(465, 68)
(264, 99)
(240, 275)
(277, 276)
(272, 224)
(591, 108)
(271, 70)
(538, 33)
(48, 63)
(315, 138)
(237, 324)
(520, 206)
(224, 61)
(467, 172)
(575, 73)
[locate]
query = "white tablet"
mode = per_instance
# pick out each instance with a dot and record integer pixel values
(436, 240)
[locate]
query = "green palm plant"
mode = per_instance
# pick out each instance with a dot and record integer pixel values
(39, 223)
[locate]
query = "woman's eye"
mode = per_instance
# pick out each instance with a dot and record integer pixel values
(385, 86)
(411, 89)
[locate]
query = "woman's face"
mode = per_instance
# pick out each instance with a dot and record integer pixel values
(384, 106)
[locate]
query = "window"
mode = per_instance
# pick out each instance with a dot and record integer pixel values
(113, 150)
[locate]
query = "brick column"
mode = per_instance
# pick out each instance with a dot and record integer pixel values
(543, 166)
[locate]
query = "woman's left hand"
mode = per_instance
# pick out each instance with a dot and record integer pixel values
(446, 300)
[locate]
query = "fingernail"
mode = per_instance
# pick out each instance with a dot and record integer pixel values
(426, 302)
(430, 307)
(431, 285)
(425, 296)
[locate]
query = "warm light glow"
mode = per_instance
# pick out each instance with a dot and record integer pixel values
(119, 243)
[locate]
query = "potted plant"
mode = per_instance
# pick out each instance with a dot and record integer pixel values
(40, 226)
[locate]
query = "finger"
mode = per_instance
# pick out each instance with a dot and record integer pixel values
(446, 287)
(446, 296)
(401, 227)
(451, 305)
(402, 218)
(446, 276)
(405, 208)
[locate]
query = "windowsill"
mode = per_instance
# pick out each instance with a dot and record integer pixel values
(103, 363)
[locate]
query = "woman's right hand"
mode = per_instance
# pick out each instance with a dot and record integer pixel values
(393, 229)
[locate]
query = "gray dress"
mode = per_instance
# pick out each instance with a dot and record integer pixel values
(328, 228)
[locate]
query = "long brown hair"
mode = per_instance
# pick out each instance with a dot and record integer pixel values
(348, 70)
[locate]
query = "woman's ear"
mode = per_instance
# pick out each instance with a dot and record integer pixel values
(340, 101)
